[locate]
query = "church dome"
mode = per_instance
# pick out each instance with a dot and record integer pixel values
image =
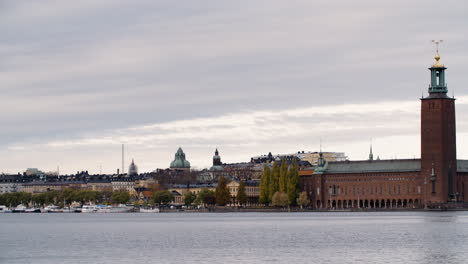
(133, 169)
(179, 161)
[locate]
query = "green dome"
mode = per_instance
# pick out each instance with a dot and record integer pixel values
(180, 162)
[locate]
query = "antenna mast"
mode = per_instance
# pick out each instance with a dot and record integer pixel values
(123, 153)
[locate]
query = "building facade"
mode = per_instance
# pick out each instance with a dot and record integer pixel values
(435, 180)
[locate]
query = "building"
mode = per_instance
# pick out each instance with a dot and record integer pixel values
(252, 189)
(123, 184)
(435, 180)
(10, 184)
(310, 157)
(132, 169)
(179, 162)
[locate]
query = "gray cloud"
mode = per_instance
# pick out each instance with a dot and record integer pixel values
(89, 68)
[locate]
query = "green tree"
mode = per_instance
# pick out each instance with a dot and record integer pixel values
(120, 197)
(303, 201)
(17, 198)
(283, 176)
(66, 196)
(189, 198)
(265, 185)
(241, 194)
(206, 197)
(163, 197)
(293, 187)
(222, 194)
(280, 199)
(274, 180)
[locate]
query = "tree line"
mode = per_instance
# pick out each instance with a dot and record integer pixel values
(64, 198)
(206, 197)
(279, 185)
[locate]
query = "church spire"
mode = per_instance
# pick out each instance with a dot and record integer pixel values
(371, 155)
(438, 85)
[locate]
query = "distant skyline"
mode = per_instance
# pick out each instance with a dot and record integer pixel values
(80, 78)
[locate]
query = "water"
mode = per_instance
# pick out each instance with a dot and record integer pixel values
(381, 237)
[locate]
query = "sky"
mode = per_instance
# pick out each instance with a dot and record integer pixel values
(80, 78)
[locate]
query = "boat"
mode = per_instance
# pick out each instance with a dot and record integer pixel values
(89, 209)
(32, 210)
(19, 209)
(113, 209)
(149, 210)
(4, 209)
(52, 209)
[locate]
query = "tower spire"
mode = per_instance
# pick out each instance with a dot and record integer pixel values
(371, 155)
(438, 84)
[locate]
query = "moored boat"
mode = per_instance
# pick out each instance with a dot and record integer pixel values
(4, 209)
(149, 210)
(112, 209)
(32, 210)
(19, 209)
(52, 209)
(89, 209)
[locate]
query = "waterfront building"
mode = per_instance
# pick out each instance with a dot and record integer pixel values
(179, 162)
(437, 179)
(47, 186)
(252, 189)
(124, 184)
(10, 184)
(99, 183)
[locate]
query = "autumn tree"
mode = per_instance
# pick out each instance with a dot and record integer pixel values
(280, 199)
(241, 194)
(163, 197)
(222, 194)
(120, 197)
(274, 180)
(293, 187)
(206, 197)
(265, 185)
(189, 198)
(303, 200)
(283, 177)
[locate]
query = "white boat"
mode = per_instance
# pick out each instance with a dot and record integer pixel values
(149, 210)
(112, 209)
(4, 209)
(89, 209)
(52, 209)
(19, 209)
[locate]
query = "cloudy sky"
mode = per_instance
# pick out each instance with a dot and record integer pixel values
(79, 78)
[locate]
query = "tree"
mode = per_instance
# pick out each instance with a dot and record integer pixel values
(264, 185)
(163, 197)
(206, 197)
(280, 199)
(241, 194)
(274, 180)
(283, 176)
(120, 197)
(189, 198)
(303, 200)
(293, 187)
(223, 196)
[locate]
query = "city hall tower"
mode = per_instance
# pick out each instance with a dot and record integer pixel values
(438, 139)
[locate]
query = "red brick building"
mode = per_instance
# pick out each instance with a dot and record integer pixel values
(437, 179)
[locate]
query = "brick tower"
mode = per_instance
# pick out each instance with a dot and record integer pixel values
(438, 140)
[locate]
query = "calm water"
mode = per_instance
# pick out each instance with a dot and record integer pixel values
(382, 237)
